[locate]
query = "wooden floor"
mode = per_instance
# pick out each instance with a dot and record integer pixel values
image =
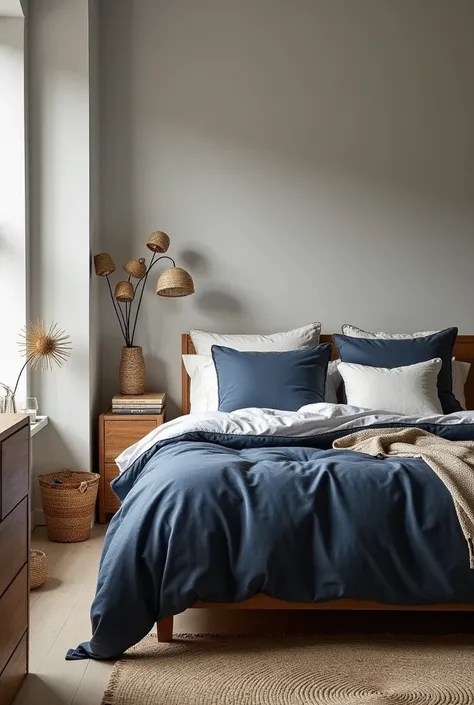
(59, 620)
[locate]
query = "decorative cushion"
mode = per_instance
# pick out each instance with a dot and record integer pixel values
(333, 382)
(380, 352)
(203, 383)
(411, 390)
(356, 332)
(272, 380)
(306, 336)
(459, 371)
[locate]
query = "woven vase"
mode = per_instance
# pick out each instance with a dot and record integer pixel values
(132, 371)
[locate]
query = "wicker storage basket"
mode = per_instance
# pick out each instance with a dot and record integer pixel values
(69, 498)
(38, 568)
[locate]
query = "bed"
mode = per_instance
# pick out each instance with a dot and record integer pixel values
(124, 603)
(464, 351)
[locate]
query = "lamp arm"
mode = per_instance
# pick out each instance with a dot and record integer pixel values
(124, 319)
(143, 282)
(116, 312)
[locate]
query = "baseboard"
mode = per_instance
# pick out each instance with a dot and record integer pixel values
(37, 518)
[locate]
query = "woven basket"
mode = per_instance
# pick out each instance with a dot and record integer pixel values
(132, 371)
(38, 568)
(69, 498)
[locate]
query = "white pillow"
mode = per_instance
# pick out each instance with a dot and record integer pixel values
(355, 332)
(410, 390)
(291, 340)
(203, 383)
(459, 370)
(204, 395)
(333, 382)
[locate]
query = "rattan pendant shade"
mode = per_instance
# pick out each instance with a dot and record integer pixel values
(158, 242)
(104, 264)
(136, 268)
(175, 282)
(124, 292)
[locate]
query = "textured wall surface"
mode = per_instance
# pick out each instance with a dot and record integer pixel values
(310, 160)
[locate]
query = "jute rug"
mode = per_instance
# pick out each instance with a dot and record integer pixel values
(295, 671)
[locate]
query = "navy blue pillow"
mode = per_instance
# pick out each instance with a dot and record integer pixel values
(378, 352)
(272, 380)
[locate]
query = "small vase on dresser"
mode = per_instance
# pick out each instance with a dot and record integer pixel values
(132, 370)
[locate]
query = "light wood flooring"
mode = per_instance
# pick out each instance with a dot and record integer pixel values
(59, 620)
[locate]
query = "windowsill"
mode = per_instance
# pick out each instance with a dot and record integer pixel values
(41, 422)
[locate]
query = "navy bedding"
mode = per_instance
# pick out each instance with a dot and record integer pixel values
(221, 517)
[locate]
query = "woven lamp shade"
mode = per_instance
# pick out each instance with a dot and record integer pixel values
(136, 268)
(158, 242)
(174, 282)
(104, 264)
(124, 292)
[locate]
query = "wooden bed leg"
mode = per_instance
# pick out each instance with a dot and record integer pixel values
(165, 629)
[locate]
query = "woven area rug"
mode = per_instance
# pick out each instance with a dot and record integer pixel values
(295, 671)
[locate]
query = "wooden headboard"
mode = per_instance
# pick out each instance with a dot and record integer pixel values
(463, 350)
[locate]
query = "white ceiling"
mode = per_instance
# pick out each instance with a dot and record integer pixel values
(10, 8)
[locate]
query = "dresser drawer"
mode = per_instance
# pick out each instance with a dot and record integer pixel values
(119, 435)
(14, 471)
(14, 672)
(112, 503)
(13, 616)
(13, 543)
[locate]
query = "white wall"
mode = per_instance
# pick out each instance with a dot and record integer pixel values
(63, 216)
(309, 159)
(12, 199)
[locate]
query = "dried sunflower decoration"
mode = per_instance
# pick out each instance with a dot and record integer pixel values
(43, 347)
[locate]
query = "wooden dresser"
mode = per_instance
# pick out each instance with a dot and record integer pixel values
(14, 553)
(117, 432)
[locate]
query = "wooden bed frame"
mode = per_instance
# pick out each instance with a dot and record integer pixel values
(464, 351)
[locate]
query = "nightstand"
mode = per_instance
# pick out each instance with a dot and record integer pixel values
(117, 432)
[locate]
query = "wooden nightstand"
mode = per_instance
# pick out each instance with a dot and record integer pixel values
(117, 432)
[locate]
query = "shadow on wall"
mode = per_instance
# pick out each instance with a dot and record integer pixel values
(215, 300)
(218, 301)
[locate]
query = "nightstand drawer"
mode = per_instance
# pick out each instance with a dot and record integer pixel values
(119, 435)
(112, 503)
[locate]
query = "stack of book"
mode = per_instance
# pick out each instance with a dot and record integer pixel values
(151, 403)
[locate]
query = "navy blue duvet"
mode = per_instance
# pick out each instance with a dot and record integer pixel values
(221, 518)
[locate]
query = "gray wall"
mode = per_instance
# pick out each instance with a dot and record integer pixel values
(309, 159)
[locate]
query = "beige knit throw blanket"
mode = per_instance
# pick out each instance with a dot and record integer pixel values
(452, 461)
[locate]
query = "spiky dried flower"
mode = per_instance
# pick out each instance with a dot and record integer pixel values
(44, 346)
